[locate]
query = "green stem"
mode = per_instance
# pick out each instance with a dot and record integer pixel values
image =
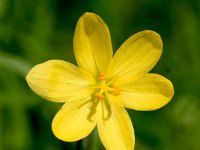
(14, 63)
(92, 141)
(78, 145)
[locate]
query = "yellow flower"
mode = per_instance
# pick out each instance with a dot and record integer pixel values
(96, 92)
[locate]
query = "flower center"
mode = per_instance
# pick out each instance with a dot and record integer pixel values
(103, 87)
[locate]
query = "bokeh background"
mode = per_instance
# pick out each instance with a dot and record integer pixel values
(34, 31)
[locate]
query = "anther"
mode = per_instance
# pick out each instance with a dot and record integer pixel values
(102, 76)
(99, 96)
(116, 91)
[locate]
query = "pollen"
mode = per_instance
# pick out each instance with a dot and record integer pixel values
(102, 76)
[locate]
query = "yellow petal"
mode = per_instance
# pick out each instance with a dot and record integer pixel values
(71, 123)
(148, 93)
(59, 81)
(136, 57)
(92, 44)
(116, 132)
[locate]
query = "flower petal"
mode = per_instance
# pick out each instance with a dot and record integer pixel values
(71, 123)
(116, 132)
(59, 81)
(92, 44)
(148, 93)
(136, 57)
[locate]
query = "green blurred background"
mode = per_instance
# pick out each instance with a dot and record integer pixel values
(34, 31)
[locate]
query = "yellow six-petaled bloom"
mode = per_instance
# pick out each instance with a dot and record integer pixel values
(96, 92)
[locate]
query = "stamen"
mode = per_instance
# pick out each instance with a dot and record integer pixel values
(116, 91)
(102, 76)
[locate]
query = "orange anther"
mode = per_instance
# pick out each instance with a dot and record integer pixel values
(102, 76)
(116, 91)
(99, 96)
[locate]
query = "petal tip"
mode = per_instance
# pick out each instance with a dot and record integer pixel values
(28, 76)
(171, 87)
(89, 14)
(156, 36)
